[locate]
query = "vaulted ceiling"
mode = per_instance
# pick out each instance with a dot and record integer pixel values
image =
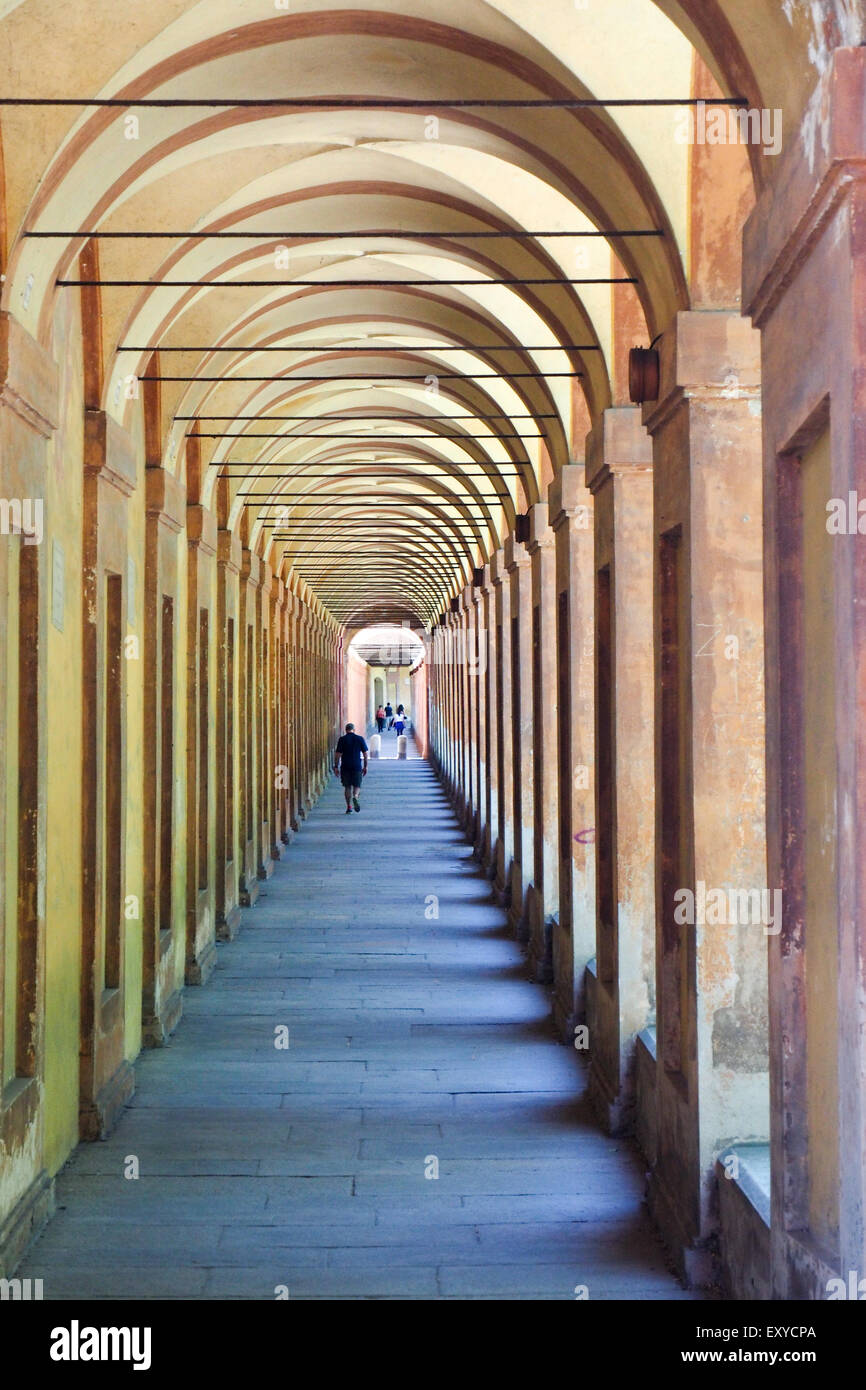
(376, 291)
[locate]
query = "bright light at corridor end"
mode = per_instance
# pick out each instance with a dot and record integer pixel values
(388, 645)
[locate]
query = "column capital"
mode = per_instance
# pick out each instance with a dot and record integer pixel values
(488, 583)
(786, 223)
(201, 529)
(569, 498)
(705, 355)
(467, 599)
(30, 379)
(498, 571)
(618, 443)
(108, 448)
(516, 557)
(251, 567)
(165, 498)
(541, 535)
(229, 550)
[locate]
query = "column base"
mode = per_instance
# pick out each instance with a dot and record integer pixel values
(157, 1029)
(501, 892)
(199, 971)
(98, 1117)
(248, 894)
(478, 841)
(228, 925)
(517, 917)
(540, 943)
(26, 1222)
(564, 1022)
(265, 869)
(808, 1270)
(566, 1006)
(615, 1110)
(695, 1261)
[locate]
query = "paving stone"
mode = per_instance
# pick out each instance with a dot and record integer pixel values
(410, 1039)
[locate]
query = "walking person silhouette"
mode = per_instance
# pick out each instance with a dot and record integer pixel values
(350, 765)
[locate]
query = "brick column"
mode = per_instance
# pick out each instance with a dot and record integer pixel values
(228, 913)
(543, 893)
(248, 628)
(570, 513)
(487, 660)
(503, 848)
(709, 684)
(479, 668)
(518, 566)
(469, 800)
(294, 712)
(814, 466)
(201, 534)
(619, 474)
(265, 759)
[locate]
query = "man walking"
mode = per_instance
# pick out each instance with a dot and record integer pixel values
(350, 765)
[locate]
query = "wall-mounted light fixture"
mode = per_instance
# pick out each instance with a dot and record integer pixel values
(643, 373)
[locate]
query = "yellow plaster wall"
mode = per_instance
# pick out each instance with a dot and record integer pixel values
(63, 747)
(135, 752)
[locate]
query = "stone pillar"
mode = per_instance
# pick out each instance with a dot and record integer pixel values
(437, 732)
(250, 579)
(201, 532)
(709, 688)
(619, 474)
(265, 759)
(454, 703)
(464, 801)
(36, 856)
(504, 843)
(480, 726)
(543, 892)
(282, 833)
(294, 712)
(518, 566)
(304, 710)
(570, 509)
(814, 466)
(470, 670)
(164, 737)
(487, 659)
(228, 913)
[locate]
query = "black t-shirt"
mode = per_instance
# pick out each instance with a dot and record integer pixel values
(350, 747)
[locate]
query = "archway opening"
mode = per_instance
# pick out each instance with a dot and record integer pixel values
(381, 661)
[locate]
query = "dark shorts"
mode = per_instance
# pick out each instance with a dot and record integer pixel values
(351, 777)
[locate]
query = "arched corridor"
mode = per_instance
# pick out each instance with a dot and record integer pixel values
(489, 380)
(420, 1134)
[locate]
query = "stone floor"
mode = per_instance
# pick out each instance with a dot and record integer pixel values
(415, 1042)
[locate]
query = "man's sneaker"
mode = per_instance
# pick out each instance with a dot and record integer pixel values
(348, 810)
(356, 803)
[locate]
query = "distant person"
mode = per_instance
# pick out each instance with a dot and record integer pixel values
(400, 720)
(380, 719)
(389, 712)
(350, 765)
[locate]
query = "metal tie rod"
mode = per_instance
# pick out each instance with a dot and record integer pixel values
(351, 419)
(363, 103)
(429, 283)
(414, 235)
(380, 348)
(370, 376)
